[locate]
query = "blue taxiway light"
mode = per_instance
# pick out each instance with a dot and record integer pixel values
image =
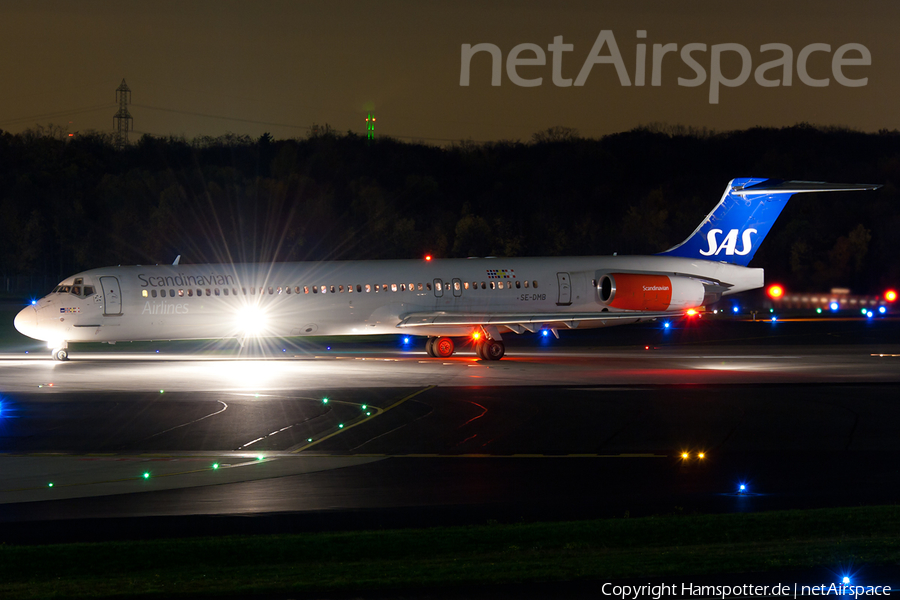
(869, 314)
(833, 306)
(667, 324)
(406, 340)
(774, 318)
(735, 309)
(545, 333)
(882, 309)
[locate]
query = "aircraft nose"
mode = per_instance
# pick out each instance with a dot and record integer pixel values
(26, 321)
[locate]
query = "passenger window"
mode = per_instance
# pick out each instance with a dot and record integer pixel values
(483, 285)
(456, 286)
(199, 292)
(181, 293)
(428, 286)
(296, 289)
(493, 286)
(153, 293)
(500, 285)
(306, 289)
(217, 291)
(144, 293)
(518, 284)
(393, 287)
(190, 293)
(208, 293)
(368, 288)
(420, 287)
(438, 286)
(534, 284)
(315, 289)
(279, 290)
(288, 289)
(341, 289)
(271, 291)
(162, 293)
(332, 289)
(526, 283)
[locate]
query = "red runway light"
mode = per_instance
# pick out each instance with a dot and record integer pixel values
(427, 257)
(890, 295)
(775, 291)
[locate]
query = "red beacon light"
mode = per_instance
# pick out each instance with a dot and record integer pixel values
(775, 291)
(692, 312)
(427, 258)
(890, 295)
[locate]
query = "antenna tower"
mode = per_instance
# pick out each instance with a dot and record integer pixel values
(123, 120)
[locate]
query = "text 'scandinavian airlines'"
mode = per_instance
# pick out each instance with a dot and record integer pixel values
(440, 299)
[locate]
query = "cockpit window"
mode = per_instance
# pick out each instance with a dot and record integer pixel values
(64, 289)
(88, 290)
(76, 289)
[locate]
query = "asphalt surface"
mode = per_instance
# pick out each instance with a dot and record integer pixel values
(802, 413)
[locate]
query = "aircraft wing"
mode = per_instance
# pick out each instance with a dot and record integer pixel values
(520, 322)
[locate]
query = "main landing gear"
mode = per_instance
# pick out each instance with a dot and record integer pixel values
(443, 347)
(60, 354)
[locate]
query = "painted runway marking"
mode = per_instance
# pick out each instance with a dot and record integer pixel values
(378, 411)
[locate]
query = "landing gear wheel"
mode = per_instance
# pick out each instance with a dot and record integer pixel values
(442, 347)
(479, 349)
(60, 354)
(493, 350)
(429, 347)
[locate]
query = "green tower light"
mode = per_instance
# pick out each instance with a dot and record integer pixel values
(370, 127)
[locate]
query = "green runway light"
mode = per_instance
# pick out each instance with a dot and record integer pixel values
(308, 439)
(771, 310)
(162, 391)
(146, 475)
(368, 414)
(341, 426)
(50, 484)
(215, 466)
(324, 400)
(818, 311)
(260, 457)
(863, 311)
(365, 406)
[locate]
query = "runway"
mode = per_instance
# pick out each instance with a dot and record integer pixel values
(569, 430)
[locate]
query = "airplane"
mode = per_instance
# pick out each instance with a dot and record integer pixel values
(477, 299)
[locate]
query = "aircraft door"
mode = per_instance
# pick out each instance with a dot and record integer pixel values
(112, 296)
(457, 288)
(438, 288)
(565, 289)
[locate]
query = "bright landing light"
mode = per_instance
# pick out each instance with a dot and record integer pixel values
(251, 320)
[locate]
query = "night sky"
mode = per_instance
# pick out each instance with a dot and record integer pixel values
(211, 67)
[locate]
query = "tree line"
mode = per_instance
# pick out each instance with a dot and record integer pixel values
(73, 203)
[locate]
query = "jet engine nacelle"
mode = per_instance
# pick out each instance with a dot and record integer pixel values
(638, 291)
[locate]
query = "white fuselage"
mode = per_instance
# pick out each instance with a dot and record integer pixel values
(168, 302)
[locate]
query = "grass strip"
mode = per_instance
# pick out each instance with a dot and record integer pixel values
(454, 556)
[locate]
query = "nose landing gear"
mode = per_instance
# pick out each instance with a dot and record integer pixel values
(60, 354)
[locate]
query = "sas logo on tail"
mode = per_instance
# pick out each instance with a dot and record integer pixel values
(728, 243)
